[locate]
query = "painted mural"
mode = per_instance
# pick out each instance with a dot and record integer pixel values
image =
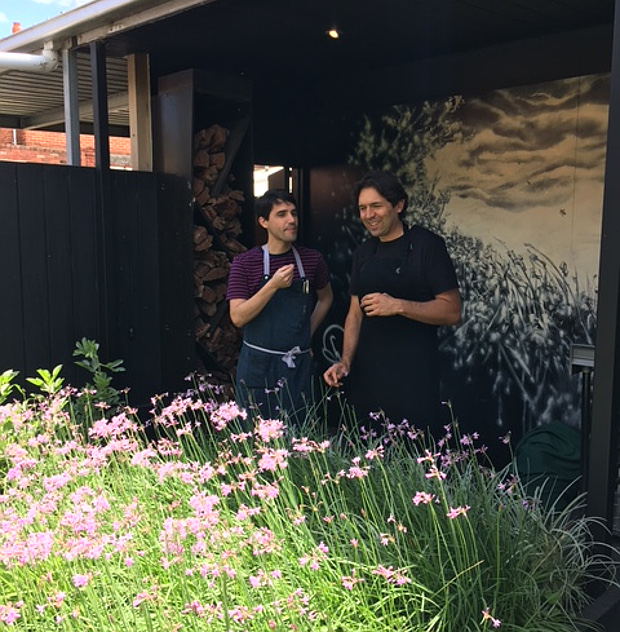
(513, 180)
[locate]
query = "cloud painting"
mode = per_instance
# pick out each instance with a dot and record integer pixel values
(527, 166)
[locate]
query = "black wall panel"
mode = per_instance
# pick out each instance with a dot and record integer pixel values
(51, 266)
(33, 256)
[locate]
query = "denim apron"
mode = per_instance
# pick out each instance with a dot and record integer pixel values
(275, 364)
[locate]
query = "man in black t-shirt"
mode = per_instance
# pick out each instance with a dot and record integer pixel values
(403, 287)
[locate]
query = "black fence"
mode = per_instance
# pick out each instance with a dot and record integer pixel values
(76, 262)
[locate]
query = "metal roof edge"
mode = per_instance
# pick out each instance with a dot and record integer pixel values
(101, 17)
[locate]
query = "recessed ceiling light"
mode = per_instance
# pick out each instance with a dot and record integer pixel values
(333, 33)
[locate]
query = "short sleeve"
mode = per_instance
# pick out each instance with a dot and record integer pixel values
(237, 281)
(441, 274)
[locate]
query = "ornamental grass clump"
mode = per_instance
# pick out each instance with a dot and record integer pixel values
(215, 521)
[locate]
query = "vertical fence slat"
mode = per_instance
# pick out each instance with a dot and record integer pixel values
(136, 281)
(59, 273)
(146, 243)
(84, 253)
(33, 253)
(12, 353)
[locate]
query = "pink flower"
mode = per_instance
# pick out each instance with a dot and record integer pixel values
(435, 473)
(458, 511)
(144, 596)
(392, 576)
(56, 482)
(226, 413)
(357, 472)
(422, 498)
(115, 427)
(349, 581)
(386, 539)
(80, 581)
(428, 457)
(139, 598)
(377, 453)
(195, 607)
(264, 492)
(143, 457)
(269, 429)
(204, 505)
(469, 439)
(271, 460)
(487, 617)
(9, 613)
(57, 599)
(306, 446)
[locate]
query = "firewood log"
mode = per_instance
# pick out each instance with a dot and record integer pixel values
(202, 158)
(237, 195)
(203, 138)
(233, 245)
(218, 159)
(218, 140)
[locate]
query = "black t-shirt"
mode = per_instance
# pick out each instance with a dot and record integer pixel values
(396, 366)
(422, 251)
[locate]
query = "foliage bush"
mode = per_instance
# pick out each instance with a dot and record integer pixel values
(221, 522)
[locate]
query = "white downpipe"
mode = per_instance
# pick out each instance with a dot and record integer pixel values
(45, 62)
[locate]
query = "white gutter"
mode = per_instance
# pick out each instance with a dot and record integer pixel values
(47, 61)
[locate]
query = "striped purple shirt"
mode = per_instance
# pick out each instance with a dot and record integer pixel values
(247, 270)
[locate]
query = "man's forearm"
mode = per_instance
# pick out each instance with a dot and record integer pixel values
(352, 326)
(242, 311)
(324, 302)
(445, 309)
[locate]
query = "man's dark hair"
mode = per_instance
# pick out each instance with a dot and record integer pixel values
(386, 184)
(269, 199)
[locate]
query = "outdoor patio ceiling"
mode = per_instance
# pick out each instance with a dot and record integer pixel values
(275, 42)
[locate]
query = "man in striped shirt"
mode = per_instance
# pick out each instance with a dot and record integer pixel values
(279, 294)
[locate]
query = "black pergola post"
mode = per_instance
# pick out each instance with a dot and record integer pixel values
(102, 169)
(603, 448)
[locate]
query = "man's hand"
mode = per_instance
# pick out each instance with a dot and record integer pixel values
(333, 376)
(379, 304)
(242, 311)
(283, 277)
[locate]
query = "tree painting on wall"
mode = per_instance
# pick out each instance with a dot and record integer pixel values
(513, 180)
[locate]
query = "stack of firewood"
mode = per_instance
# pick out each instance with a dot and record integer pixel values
(215, 243)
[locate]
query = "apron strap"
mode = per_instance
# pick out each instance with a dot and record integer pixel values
(300, 266)
(288, 357)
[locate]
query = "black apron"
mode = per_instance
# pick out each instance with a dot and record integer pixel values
(396, 364)
(275, 364)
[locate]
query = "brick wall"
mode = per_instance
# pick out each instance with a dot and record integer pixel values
(49, 148)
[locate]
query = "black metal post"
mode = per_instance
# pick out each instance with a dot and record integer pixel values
(102, 169)
(603, 452)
